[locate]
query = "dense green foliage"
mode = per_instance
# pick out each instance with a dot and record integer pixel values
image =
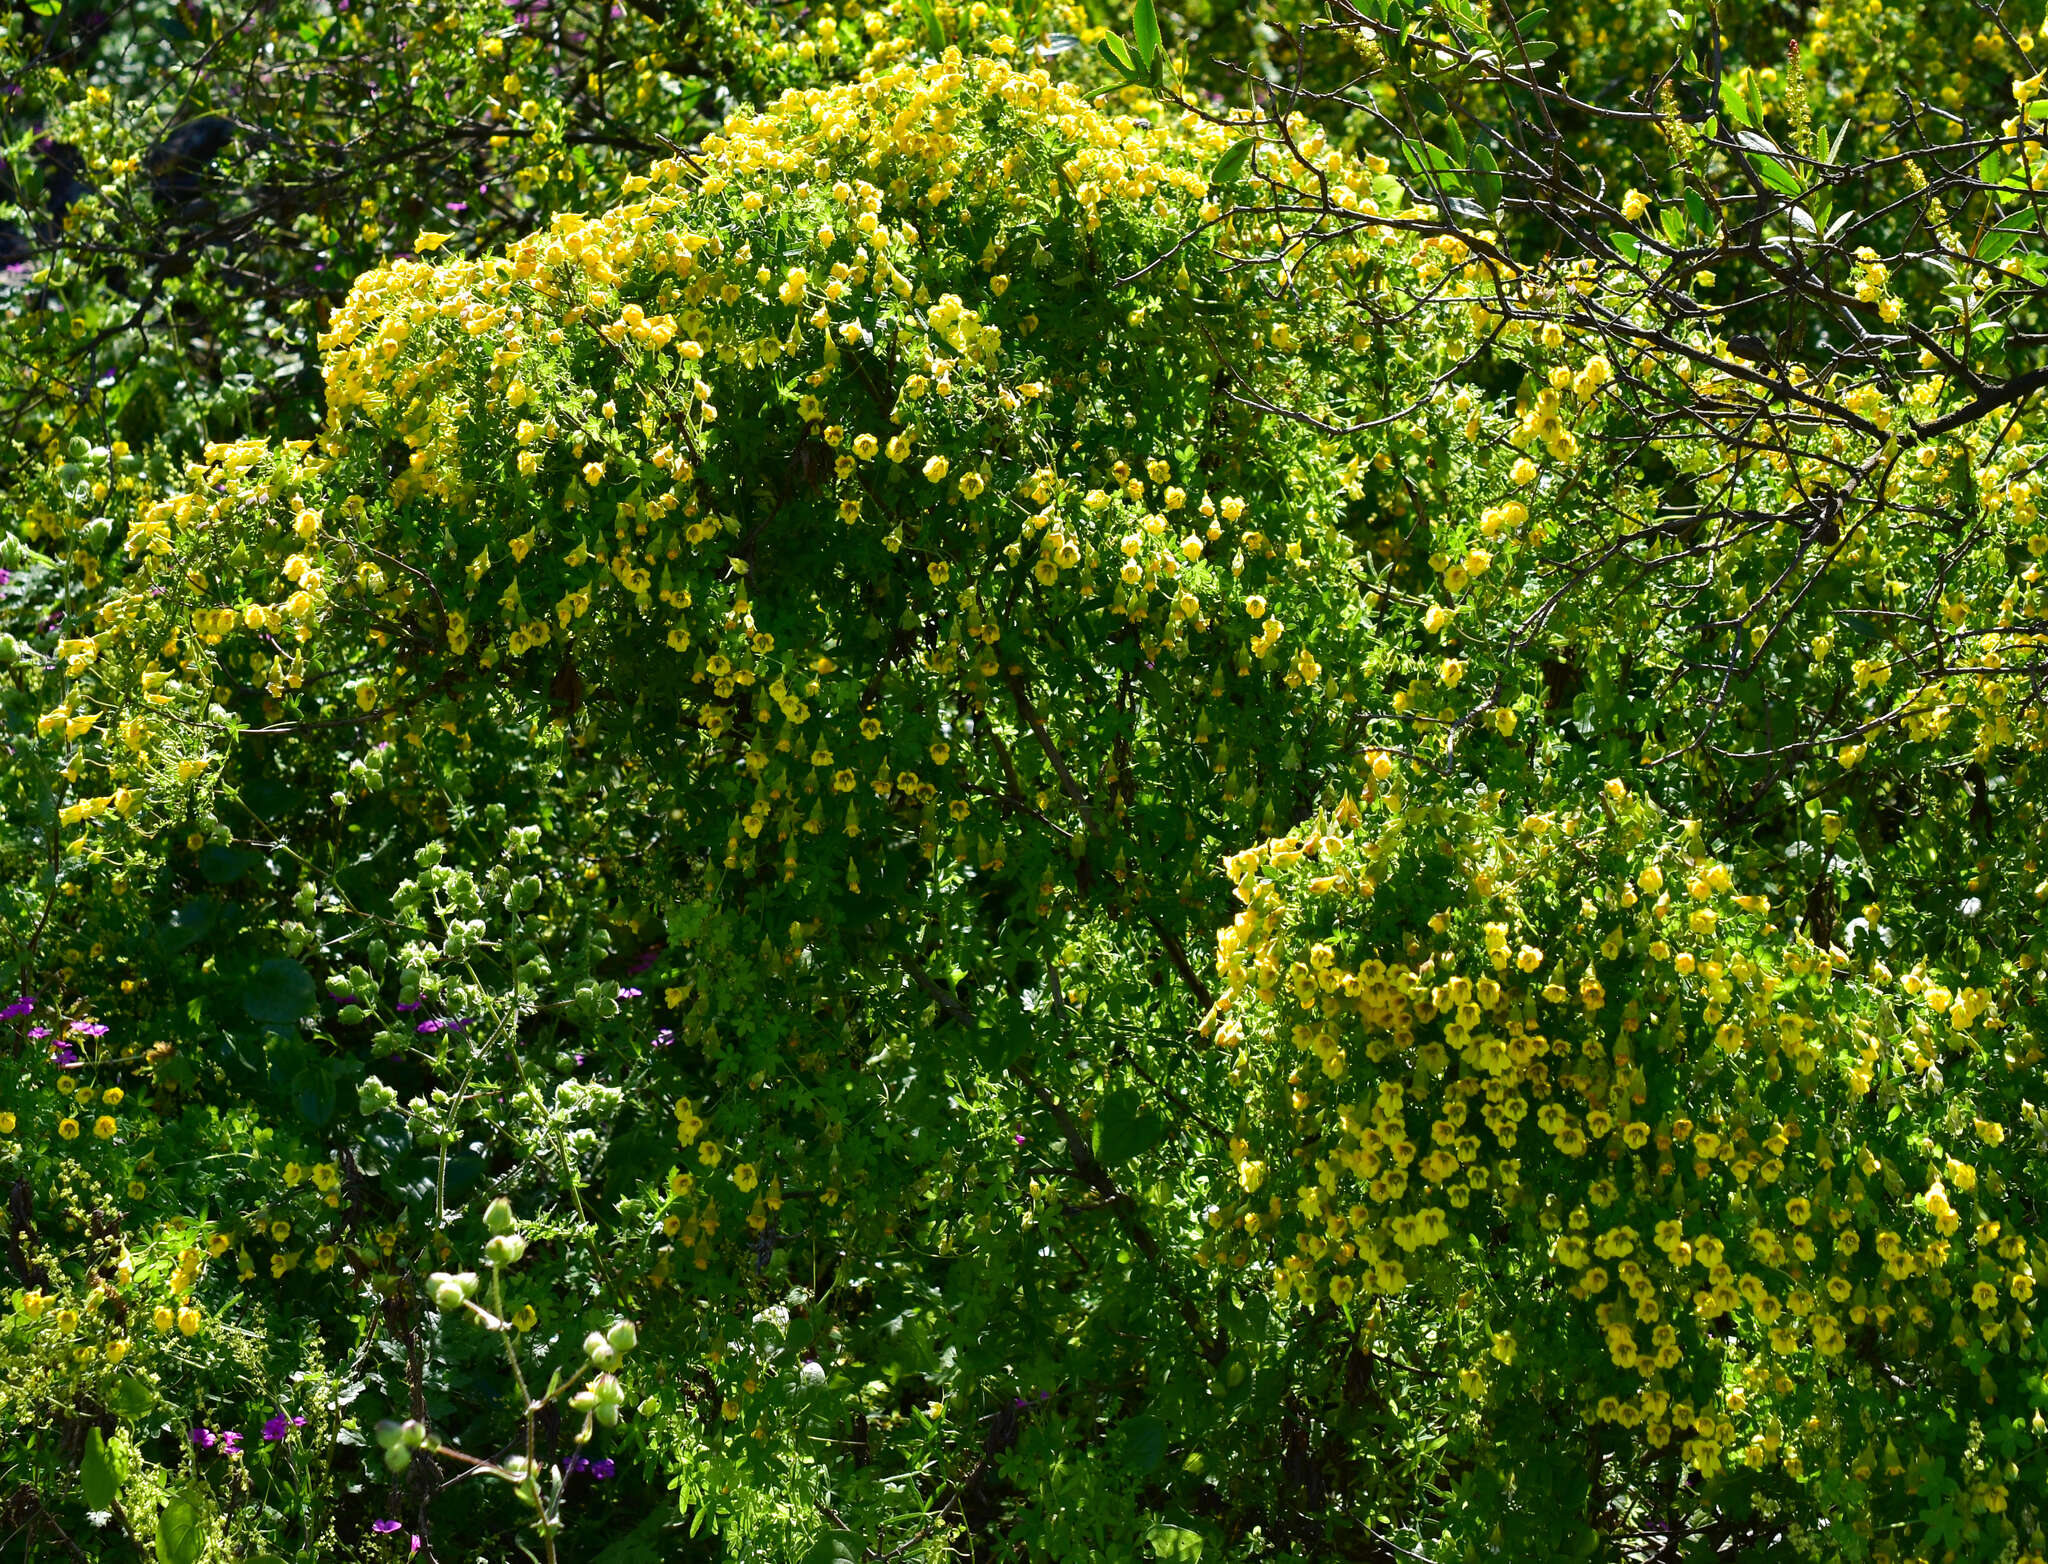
(920, 782)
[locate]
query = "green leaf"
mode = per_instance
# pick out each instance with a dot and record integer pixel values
(1485, 177)
(313, 1094)
(280, 992)
(128, 1396)
(1777, 176)
(1145, 31)
(1144, 1443)
(1674, 225)
(1732, 103)
(1454, 134)
(96, 1474)
(932, 27)
(1175, 1544)
(189, 925)
(1113, 49)
(1434, 164)
(1124, 1128)
(180, 1533)
(1230, 167)
(2005, 234)
(1696, 209)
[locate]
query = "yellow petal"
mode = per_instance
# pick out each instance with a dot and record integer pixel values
(430, 241)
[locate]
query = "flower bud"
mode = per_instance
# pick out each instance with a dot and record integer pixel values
(498, 1216)
(397, 1459)
(506, 1249)
(623, 1336)
(447, 1290)
(600, 1350)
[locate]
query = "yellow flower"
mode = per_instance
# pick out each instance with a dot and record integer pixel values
(162, 1320)
(745, 1176)
(68, 1128)
(6, 1124)
(1633, 205)
(593, 473)
(113, 1096)
(324, 1256)
(935, 470)
(428, 242)
(188, 1321)
(292, 1174)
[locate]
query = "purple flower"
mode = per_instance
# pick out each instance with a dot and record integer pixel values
(230, 1442)
(408, 1004)
(203, 1439)
(385, 1528)
(62, 1053)
(629, 993)
(279, 1426)
(663, 1038)
(602, 1468)
(39, 1032)
(87, 1029)
(19, 1008)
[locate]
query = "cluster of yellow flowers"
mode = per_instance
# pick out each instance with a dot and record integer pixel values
(547, 448)
(1583, 987)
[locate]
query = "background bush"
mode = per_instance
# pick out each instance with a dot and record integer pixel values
(921, 782)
